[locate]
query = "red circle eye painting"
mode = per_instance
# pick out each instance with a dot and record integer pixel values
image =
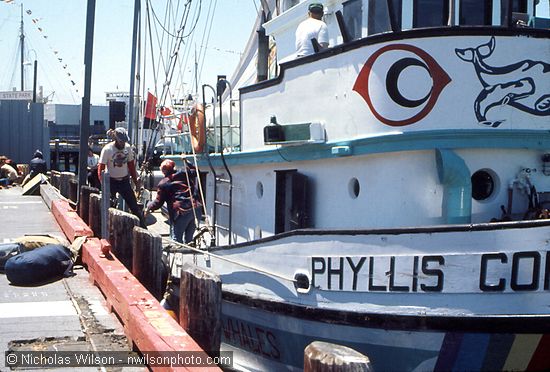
(401, 84)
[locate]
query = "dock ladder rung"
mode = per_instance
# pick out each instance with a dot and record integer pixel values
(221, 203)
(221, 227)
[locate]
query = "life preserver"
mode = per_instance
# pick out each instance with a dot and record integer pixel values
(196, 128)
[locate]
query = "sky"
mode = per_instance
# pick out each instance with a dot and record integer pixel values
(55, 33)
(55, 37)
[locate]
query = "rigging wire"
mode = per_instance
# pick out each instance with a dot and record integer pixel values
(211, 18)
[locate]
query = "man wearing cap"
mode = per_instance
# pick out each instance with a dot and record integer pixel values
(312, 28)
(118, 157)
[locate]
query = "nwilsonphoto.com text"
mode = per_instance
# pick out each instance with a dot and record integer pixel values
(37, 359)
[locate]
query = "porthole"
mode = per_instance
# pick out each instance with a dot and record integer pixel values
(354, 188)
(483, 185)
(259, 190)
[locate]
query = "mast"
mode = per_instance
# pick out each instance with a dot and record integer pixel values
(85, 108)
(133, 71)
(22, 42)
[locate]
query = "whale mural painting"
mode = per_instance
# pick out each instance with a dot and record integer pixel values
(519, 84)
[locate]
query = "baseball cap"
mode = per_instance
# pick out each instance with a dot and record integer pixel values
(120, 134)
(316, 8)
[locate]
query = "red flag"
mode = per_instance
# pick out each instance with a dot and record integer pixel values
(150, 107)
(165, 111)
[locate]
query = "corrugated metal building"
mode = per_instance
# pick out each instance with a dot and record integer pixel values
(23, 130)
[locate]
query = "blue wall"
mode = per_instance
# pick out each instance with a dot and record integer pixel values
(22, 130)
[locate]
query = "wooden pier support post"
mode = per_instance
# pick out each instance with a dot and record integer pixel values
(121, 226)
(55, 179)
(201, 307)
(73, 190)
(94, 213)
(84, 202)
(147, 264)
(324, 357)
(64, 183)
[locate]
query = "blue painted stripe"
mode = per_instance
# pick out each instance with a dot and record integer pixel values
(410, 141)
(449, 351)
(472, 352)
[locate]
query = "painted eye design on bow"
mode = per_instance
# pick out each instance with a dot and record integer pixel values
(401, 84)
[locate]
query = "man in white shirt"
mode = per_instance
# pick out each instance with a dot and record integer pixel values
(312, 28)
(118, 158)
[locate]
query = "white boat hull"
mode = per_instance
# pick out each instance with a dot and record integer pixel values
(422, 299)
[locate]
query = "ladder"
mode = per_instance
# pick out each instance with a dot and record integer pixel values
(221, 180)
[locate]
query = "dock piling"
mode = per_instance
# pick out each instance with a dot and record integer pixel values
(147, 261)
(94, 213)
(64, 183)
(200, 307)
(121, 226)
(84, 203)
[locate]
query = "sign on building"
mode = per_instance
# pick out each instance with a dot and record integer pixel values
(16, 95)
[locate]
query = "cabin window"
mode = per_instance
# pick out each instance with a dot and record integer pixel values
(353, 16)
(476, 12)
(430, 13)
(259, 190)
(483, 185)
(354, 188)
(380, 16)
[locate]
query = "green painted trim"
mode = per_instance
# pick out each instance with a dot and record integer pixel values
(411, 141)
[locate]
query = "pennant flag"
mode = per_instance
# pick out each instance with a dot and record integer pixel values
(39, 29)
(150, 106)
(35, 20)
(165, 111)
(150, 111)
(29, 12)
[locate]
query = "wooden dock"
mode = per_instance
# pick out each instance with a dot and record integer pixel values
(140, 319)
(68, 314)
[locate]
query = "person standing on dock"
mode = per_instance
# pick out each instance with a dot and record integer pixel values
(179, 189)
(312, 28)
(118, 157)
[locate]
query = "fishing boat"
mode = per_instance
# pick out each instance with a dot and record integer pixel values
(390, 193)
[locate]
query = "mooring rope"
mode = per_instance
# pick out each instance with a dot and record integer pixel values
(184, 247)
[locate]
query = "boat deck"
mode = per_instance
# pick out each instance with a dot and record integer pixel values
(67, 315)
